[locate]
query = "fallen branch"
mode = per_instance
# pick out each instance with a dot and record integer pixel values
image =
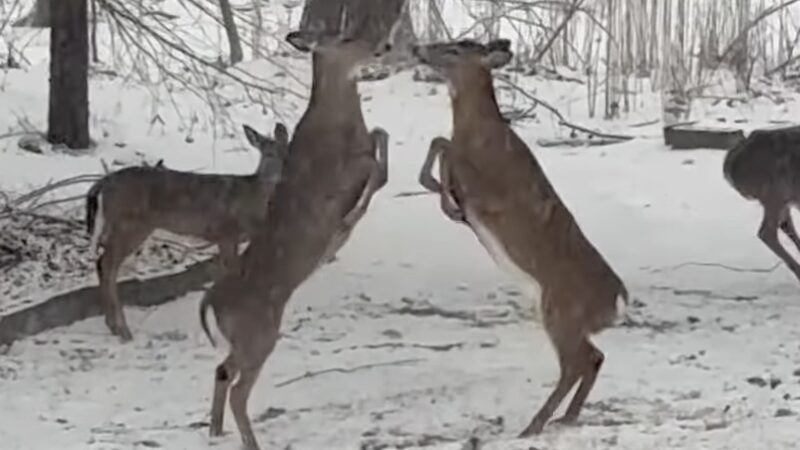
(51, 186)
(577, 142)
(645, 124)
(347, 370)
(413, 193)
(396, 345)
(561, 119)
(716, 265)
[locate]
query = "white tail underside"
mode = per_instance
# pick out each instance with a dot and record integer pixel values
(99, 224)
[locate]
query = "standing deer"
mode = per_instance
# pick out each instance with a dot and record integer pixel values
(125, 207)
(766, 167)
(330, 177)
(490, 181)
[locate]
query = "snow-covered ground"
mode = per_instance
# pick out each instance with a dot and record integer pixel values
(413, 338)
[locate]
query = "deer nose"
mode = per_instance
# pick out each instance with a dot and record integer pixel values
(383, 49)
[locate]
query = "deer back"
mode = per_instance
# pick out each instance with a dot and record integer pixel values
(765, 164)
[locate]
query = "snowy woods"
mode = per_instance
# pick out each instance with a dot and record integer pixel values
(614, 49)
(287, 168)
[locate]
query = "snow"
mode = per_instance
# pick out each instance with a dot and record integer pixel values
(427, 343)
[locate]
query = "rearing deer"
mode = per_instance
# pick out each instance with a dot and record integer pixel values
(125, 207)
(334, 168)
(490, 181)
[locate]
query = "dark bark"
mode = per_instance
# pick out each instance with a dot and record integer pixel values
(68, 116)
(687, 137)
(234, 41)
(367, 19)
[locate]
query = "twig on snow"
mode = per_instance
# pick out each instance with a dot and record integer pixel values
(413, 193)
(311, 374)
(717, 265)
(561, 119)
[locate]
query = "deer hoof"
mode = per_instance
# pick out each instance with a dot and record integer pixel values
(533, 429)
(566, 420)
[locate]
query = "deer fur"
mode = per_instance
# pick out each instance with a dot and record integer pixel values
(125, 207)
(490, 181)
(335, 166)
(765, 167)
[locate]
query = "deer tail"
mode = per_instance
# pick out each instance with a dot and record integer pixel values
(204, 304)
(95, 219)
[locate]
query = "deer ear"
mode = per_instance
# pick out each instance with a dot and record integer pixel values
(497, 58)
(499, 44)
(281, 134)
(253, 137)
(301, 40)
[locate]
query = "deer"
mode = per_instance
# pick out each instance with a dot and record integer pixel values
(491, 182)
(334, 168)
(765, 167)
(125, 207)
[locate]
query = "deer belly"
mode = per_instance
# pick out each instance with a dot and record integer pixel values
(529, 285)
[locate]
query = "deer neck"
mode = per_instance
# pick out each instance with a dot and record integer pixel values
(333, 88)
(473, 100)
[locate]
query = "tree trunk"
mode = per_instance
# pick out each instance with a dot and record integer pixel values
(371, 19)
(233, 34)
(68, 116)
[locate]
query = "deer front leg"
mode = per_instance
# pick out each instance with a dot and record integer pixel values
(373, 185)
(374, 174)
(448, 204)
(438, 149)
(768, 233)
(380, 143)
(438, 146)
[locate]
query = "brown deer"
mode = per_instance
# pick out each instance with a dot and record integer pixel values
(335, 166)
(490, 181)
(125, 207)
(766, 167)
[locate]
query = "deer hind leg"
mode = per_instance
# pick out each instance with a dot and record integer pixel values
(258, 349)
(774, 214)
(570, 348)
(592, 360)
(119, 242)
(228, 257)
(226, 372)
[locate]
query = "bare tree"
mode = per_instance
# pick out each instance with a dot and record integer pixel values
(741, 52)
(258, 28)
(234, 40)
(68, 117)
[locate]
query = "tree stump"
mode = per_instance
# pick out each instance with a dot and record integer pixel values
(687, 137)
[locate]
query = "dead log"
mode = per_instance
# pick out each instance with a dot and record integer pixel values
(687, 137)
(67, 308)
